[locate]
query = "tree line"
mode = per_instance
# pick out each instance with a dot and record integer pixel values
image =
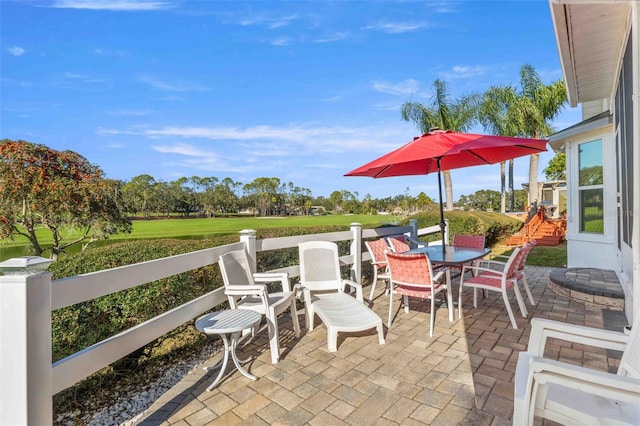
(144, 196)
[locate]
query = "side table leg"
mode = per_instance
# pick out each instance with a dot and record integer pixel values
(225, 358)
(234, 343)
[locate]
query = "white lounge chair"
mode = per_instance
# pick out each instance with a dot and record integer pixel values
(323, 289)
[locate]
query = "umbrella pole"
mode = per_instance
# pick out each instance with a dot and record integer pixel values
(442, 224)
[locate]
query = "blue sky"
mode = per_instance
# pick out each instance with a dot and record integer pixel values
(304, 91)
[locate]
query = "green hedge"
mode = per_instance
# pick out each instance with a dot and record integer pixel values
(494, 226)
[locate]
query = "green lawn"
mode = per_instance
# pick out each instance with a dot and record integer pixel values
(202, 228)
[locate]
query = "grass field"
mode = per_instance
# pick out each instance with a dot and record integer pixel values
(197, 228)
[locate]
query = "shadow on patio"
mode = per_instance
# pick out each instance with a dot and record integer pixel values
(463, 375)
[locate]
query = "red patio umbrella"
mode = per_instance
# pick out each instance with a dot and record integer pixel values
(439, 150)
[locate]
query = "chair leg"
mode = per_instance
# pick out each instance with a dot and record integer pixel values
(375, 281)
(294, 317)
(460, 301)
(273, 337)
(526, 288)
(406, 304)
(523, 307)
(380, 332)
(390, 309)
(332, 339)
(433, 315)
(509, 311)
(475, 297)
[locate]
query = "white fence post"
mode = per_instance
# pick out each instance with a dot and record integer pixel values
(248, 237)
(25, 350)
(356, 252)
(446, 231)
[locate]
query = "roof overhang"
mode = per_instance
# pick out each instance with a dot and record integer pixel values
(596, 122)
(591, 36)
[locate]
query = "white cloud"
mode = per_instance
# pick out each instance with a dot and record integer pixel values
(116, 5)
(16, 51)
(281, 41)
(271, 22)
(396, 27)
(405, 87)
(338, 36)
(443, 7)
(460, 71)
(179, 86)
(69, 79)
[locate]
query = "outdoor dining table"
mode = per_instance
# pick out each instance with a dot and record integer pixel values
(450, 255)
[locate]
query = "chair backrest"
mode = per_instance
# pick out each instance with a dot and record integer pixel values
(376, 249)
(524, 252)
(320, 266)
(410, 269)
(398, 243)
(235, 268)
(472, 241)
(511, 267)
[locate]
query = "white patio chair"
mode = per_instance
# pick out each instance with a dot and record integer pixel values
(485, 278)
(574, 395)
(376, 250)
(323, 290)
(243, 292)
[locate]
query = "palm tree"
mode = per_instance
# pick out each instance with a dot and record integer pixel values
(446, 114)
(526, 113)
(492, 114)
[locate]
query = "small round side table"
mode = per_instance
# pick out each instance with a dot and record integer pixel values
(228, 324)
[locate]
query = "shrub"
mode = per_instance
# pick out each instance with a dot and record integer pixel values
(494, 226)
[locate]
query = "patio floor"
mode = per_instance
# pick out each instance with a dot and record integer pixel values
(463, 375)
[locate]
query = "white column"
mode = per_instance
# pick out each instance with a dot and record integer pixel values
(25, 350)
(248, 237)
(356, 252)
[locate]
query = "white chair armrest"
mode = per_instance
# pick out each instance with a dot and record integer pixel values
(595, 382)
(356, 286)
(438, 276)
(475, 269)
(541, 329)
(245, 290)
(268, 277)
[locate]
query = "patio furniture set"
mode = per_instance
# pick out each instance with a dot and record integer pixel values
(543, 387)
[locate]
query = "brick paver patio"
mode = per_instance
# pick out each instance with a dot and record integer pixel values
(463, 375)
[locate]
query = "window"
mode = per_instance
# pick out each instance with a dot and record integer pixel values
(590, 187)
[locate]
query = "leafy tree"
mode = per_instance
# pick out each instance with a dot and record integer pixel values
(140, 195)
(56, 190)
(480, 200)
(557, 167)
(446, 114)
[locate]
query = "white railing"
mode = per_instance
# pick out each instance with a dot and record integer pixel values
(29, 379)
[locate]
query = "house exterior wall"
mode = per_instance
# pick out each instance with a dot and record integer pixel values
(613, 249)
